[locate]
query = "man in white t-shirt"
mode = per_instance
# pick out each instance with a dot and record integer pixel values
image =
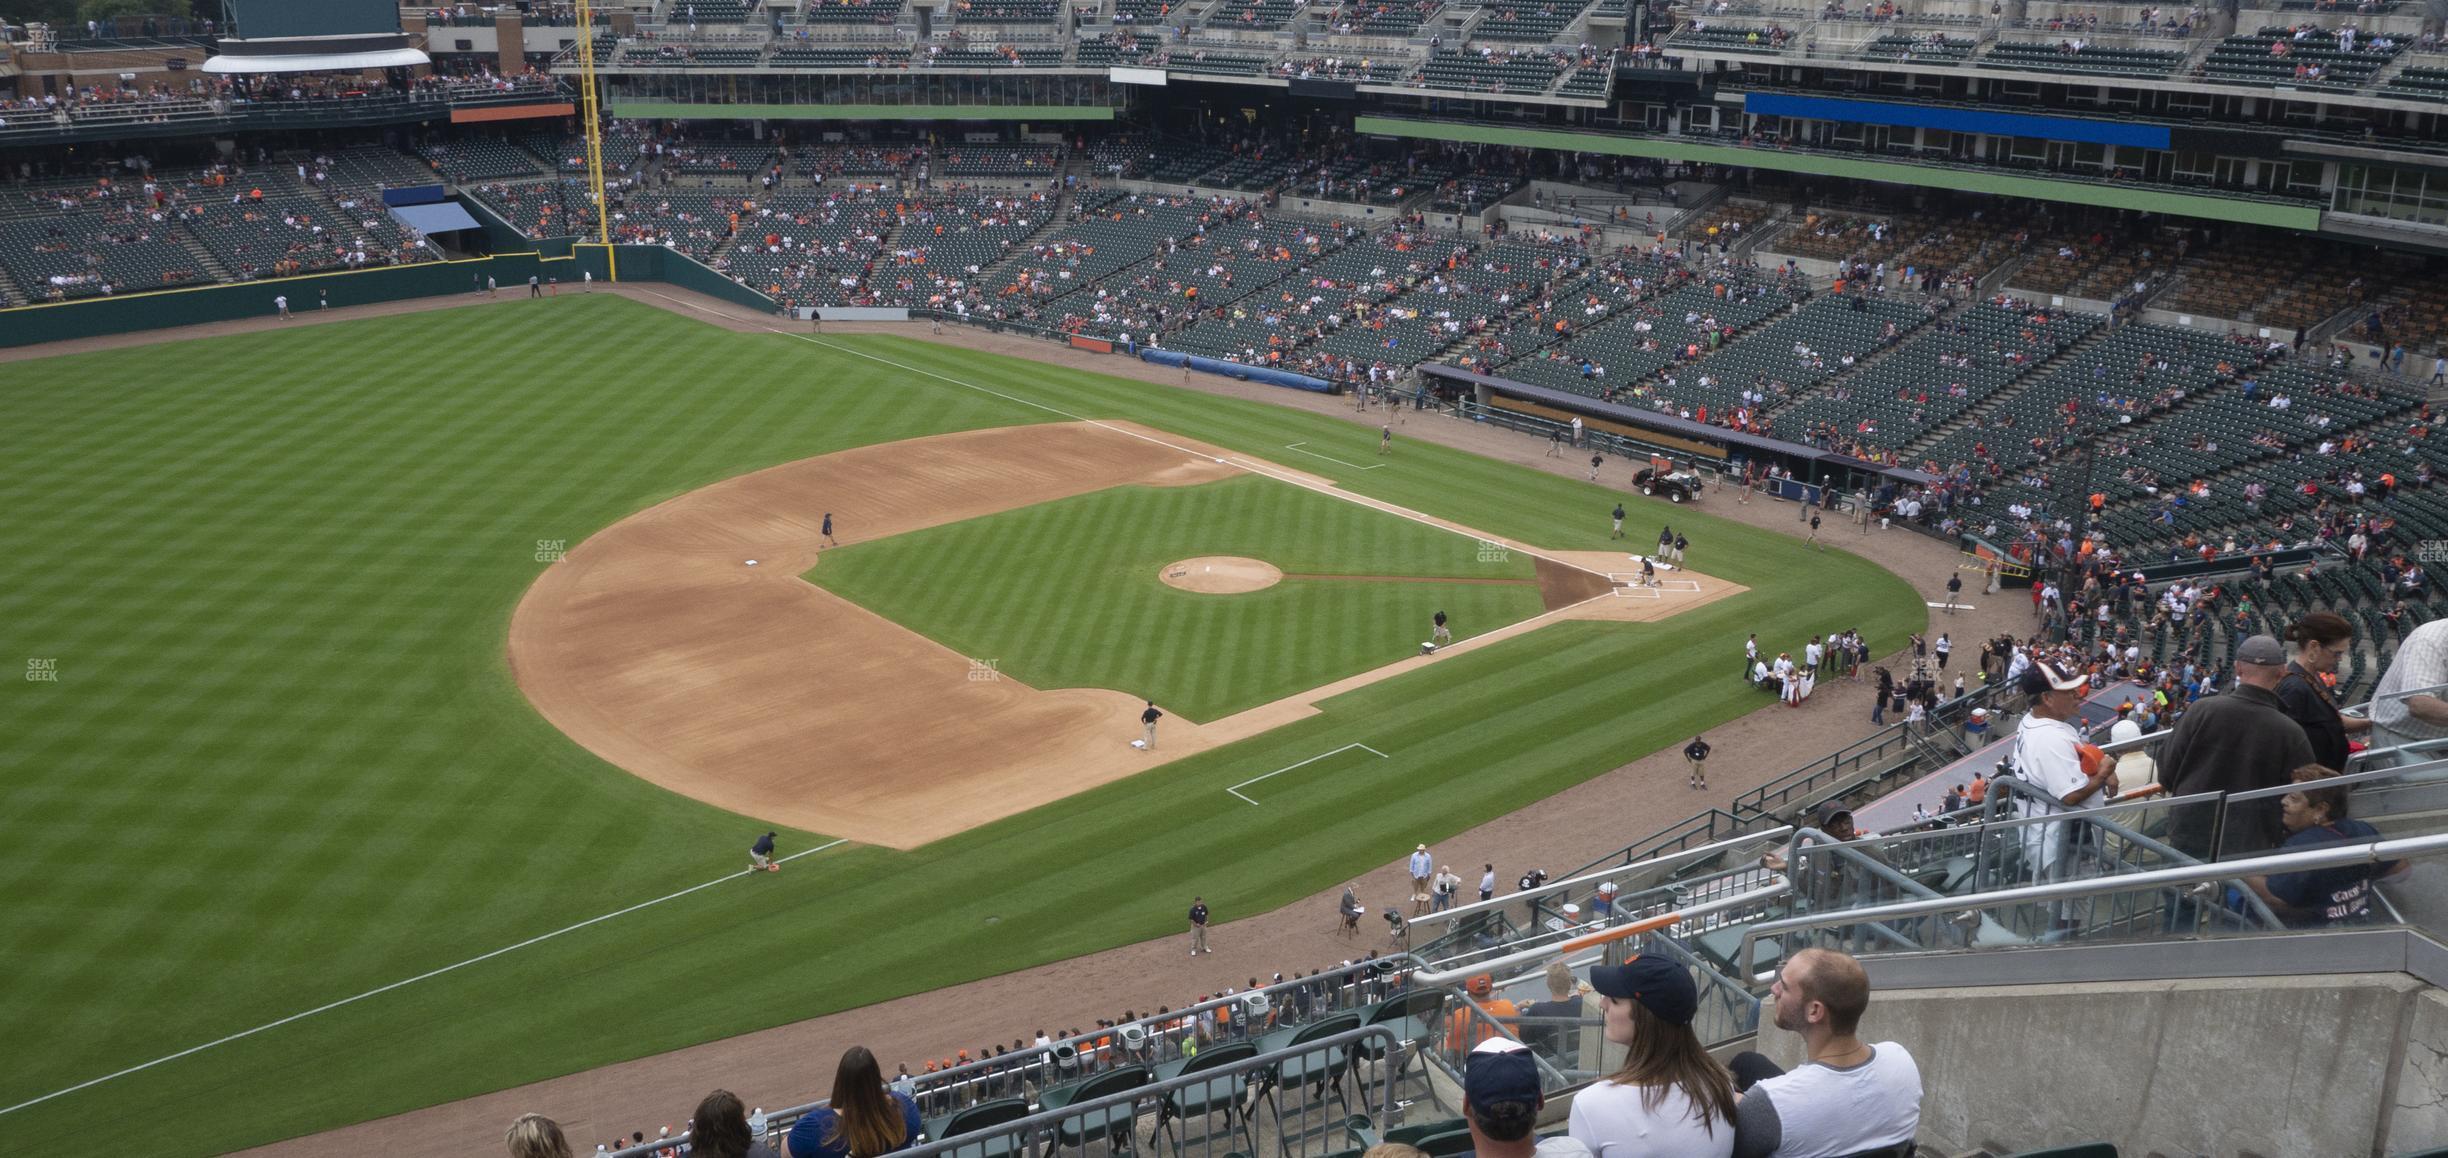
(1848, 1096)
(2047, 754)
(1501, 1101)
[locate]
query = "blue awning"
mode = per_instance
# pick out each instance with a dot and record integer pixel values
(440, 217)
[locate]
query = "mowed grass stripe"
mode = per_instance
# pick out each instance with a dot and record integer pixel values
(285, 762)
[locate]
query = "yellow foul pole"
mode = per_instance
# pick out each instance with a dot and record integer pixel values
(590, 112)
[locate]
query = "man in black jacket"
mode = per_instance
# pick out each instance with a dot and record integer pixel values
(2236, 741)
(1697, 753)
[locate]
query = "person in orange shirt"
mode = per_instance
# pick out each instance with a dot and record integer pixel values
(1979, 791)
(1460, 1032)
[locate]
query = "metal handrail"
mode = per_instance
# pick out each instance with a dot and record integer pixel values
(2337, 856)
(1084, 1049)
(1045, 1121)
(1779, 887)
(1668, 861)
(2370, 776)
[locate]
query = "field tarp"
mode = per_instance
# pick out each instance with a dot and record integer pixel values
(1237, 370)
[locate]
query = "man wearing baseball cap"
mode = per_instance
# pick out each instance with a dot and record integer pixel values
(2048, 754)
(1670, 1097)
(1501, 1100)
(1848, 1096)
(2236, 741)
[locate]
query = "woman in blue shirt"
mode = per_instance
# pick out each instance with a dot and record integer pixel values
(863, 1120)
(2315, 817)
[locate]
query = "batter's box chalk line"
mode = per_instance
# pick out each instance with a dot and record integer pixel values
(1235, 790)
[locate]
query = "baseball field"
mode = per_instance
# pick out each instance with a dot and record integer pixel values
(346, 777)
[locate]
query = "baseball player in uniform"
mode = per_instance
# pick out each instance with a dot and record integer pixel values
(1149, 718)
(1443, 635)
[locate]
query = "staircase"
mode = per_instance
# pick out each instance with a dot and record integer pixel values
(2005, 394)
(205, 260)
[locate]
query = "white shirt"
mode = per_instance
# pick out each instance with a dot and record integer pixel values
(1824, 1112)
(1610, 1120)
(2044, 753)
(2422, 661)
(1561, 1148)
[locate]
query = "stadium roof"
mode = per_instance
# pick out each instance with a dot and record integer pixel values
(232, 62)
(439, 217)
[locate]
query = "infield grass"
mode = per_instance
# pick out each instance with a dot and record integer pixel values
(283, 761)
(1066, 594)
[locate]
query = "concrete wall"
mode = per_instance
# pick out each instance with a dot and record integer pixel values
(2418, 1106)
(2323, 1067)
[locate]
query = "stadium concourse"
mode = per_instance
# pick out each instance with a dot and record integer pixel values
(792, 1064)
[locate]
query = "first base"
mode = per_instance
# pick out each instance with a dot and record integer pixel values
(1138, 743)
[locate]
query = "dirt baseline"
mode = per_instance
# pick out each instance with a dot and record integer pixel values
(657, 646)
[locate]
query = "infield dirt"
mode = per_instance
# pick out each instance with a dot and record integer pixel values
(659, 646)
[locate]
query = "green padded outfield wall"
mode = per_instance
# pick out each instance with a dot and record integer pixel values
(656, 263)
(2116, 196)
(135, 313)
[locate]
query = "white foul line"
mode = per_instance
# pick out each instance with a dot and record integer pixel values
(1236, 789)
(1329, 457)
(399, 984)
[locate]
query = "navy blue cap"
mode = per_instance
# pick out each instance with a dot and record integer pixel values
(1662, 985)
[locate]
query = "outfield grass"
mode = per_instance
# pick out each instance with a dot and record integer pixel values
(283, 761)
(1066, 594)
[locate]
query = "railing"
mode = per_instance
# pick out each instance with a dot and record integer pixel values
(1710, 825)
(1155, 1040)
(2166, 903)
(1527, 908)
(1737, 897)
(1820, 779)
(1306, 1072)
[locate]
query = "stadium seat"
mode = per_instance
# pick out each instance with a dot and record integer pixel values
(1321, 1069)
(980, 1119)
(1078, 1132)
(1410, 1135)
(1223, 1095)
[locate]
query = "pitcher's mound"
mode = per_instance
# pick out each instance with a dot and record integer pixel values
(1221, 574)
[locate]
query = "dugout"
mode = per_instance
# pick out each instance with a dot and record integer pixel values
(1705, 445)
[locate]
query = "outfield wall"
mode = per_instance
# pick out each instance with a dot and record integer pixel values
(198, 305)
(136, 313)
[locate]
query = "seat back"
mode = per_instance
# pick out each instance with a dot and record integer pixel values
(985, 1115)
(1421, 1003)
(1221, 1055)
(1111, 1082)
(1339, 1023)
